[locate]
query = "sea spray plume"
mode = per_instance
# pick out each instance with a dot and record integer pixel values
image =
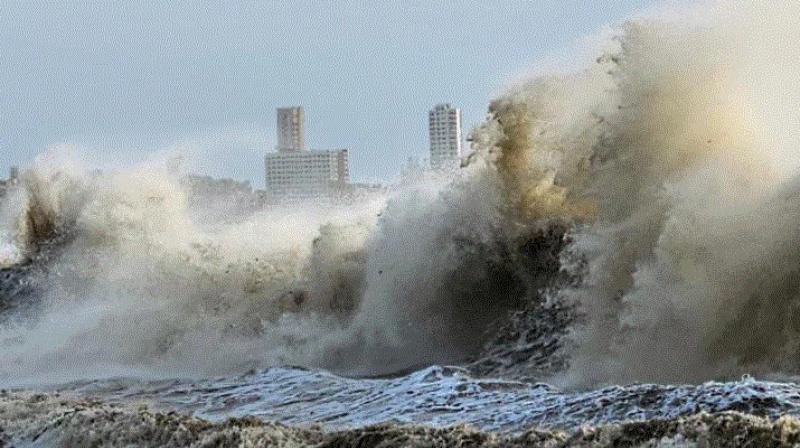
(531, 190)
(141, 287)
(688, 272)
(673, 146)
(533, 146)
(436, 275)
(538, 142)
(36, 225)
(47, 202)
(448, 271)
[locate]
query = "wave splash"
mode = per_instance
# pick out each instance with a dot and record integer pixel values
(633, 221)
(135, 284)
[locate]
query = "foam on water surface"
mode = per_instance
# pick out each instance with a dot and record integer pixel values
(438, 396)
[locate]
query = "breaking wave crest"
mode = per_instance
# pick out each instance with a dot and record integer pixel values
(135, 284)
(636, 220)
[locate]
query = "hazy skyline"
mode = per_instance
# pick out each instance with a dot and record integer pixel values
(206, 77)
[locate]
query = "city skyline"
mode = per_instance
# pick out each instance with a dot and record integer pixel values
(125, 81)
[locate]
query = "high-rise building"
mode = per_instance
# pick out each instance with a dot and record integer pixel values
(444, 127)
(291, 129)
(306, 174)
(295, 173)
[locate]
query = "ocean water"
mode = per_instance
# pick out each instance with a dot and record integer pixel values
(438, 396)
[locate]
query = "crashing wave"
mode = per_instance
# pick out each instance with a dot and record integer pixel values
(634, 221)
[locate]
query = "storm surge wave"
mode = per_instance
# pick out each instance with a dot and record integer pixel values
(636, 220)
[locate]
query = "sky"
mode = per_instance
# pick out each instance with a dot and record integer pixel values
(124, 80)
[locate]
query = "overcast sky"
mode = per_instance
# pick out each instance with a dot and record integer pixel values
(204, 78)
